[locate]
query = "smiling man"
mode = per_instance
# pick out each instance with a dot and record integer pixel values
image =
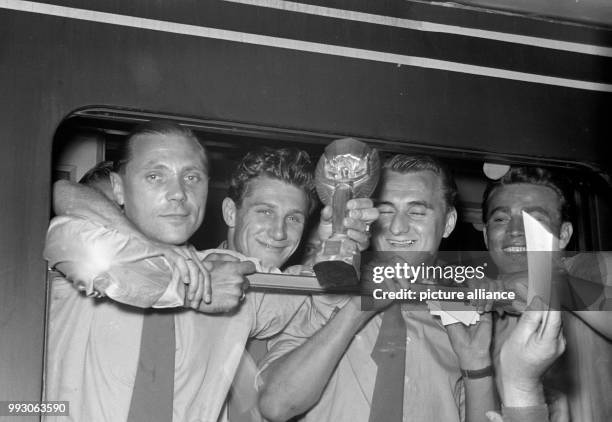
(523, 189)
(108, 357)
(587, 368)
(268, 203)
(416, 207)
(336, 375)
(261, 223)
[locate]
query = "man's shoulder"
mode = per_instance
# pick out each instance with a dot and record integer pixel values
(592, 266)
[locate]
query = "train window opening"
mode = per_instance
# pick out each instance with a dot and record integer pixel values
(95, 134)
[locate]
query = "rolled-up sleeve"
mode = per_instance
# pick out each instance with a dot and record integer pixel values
(101, 260)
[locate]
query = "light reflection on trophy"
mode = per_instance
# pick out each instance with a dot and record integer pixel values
(348, 169)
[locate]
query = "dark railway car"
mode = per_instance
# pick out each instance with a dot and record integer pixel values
(530, 83)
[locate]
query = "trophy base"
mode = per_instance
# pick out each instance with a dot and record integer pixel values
(337, 266)
(336, 274)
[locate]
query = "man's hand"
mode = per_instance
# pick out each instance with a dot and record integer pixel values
(472, 344)
(490, 285)
(533, 346)
(191, 271)
(360, 214)
(228, 281)
(472, 347)
(305, 270)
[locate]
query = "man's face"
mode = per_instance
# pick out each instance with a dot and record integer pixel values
(504, 232)
(270, 221)
(164, 187)
(413, 213)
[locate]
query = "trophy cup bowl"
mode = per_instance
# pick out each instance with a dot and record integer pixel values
(347, 169)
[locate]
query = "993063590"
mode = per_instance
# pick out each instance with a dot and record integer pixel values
(34, 408)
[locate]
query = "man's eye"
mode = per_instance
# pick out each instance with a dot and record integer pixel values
(418, 213)
(386, 210)
(499, 219)
(265, 211)
(193, 178)
(153, 177)
(542, 218)
(294, 219)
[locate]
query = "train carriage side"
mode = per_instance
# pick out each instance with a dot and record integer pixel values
(532, 91)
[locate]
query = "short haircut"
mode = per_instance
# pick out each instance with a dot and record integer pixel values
(155, 127)
(98, 173)
(289, 165)
(404, 164)
(533, 176)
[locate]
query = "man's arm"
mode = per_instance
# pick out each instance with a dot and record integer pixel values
(82, 201)
(535, 343)
(102, 261)
(471, 345)
(582, 297)
(71, 198)
(294, 383)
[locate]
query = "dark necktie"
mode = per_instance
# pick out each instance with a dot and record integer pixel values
(390, 356)
(153, 392)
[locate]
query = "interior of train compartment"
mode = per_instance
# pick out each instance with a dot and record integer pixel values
(93, 135)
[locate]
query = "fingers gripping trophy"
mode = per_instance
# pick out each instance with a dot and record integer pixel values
(348, 169)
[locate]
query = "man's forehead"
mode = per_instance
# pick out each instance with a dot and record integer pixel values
(418, 185)
(264, 190)
(522, 195)
(151, 150)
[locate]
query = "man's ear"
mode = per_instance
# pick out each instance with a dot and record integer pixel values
(451, 220)
(117, 184)
(228, 208)
(484, 234)
(565, 234)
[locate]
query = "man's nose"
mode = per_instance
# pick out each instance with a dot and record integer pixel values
(175, 190)
(516, 227)
(279, 229)
(400, 224)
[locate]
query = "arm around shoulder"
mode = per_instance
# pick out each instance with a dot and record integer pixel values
(103, 261)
